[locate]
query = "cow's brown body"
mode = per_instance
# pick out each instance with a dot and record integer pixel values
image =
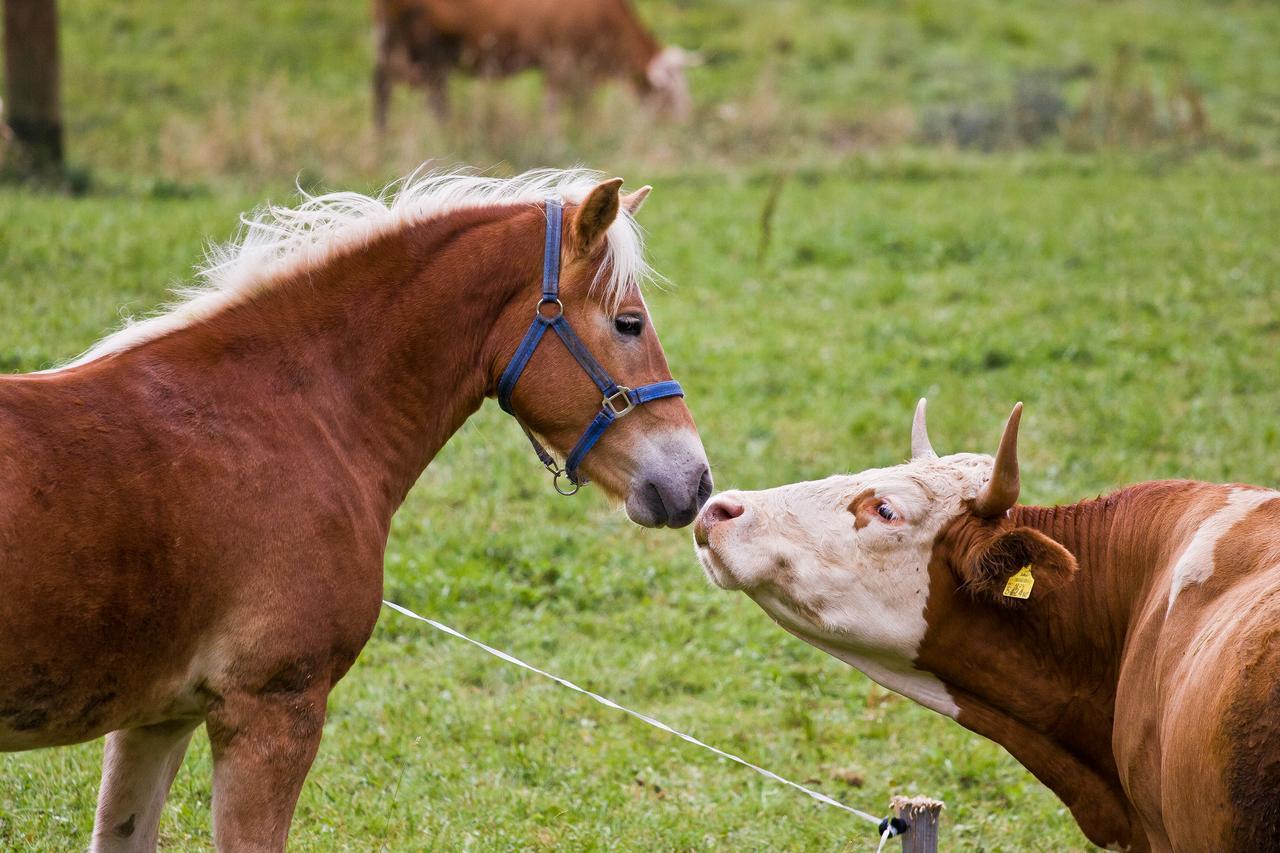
(1158, 727)
(575, 43)
(1140, 678)
(192, 528)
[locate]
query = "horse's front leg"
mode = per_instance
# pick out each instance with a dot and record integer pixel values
(263, 745)
(138, 766)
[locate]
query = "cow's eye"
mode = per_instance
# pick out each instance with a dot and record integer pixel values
(629, 324)
(886, 512)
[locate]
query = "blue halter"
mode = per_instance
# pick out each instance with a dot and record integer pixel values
(618, 399)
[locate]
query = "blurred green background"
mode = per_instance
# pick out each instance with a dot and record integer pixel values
(1074, 204)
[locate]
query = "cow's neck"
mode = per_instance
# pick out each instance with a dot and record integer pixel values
(1076, 635)
(635, 40)
(373, 358)
(1040, 678)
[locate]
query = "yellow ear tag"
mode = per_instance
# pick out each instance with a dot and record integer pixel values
(1019, 586)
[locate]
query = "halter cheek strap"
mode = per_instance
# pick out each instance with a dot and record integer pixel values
(618, 399)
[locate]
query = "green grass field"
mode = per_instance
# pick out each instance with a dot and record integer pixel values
(1126, 290)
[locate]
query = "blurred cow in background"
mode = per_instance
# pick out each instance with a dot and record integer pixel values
(577, 44)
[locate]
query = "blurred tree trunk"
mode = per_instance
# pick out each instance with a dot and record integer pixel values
(32, 107)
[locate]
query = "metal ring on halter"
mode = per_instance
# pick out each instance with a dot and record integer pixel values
(550, 318)
(557, 476)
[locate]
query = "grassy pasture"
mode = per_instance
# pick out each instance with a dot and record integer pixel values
(1128, 295)
(178, 96)
(1136, 316)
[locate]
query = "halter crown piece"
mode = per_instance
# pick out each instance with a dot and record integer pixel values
(618, 399)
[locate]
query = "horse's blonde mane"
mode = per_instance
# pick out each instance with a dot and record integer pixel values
(278, 242)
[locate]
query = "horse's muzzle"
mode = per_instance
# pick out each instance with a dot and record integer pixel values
(670, 495)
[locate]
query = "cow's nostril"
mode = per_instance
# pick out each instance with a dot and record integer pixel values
(723, 509)
(720, 509)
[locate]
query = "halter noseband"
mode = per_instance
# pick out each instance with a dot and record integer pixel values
(618, 399)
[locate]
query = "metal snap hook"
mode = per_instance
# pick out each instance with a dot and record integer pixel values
(557, 476)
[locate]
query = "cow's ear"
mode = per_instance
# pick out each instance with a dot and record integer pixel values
(1014, 566)
(594, 216)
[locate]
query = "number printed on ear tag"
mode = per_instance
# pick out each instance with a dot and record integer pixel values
(1019, 586)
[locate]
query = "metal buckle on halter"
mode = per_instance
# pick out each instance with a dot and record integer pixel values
(610, 403)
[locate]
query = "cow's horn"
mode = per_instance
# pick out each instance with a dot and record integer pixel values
(920, 446)
(1001, 491)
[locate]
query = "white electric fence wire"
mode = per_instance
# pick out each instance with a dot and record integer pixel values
(609, 703)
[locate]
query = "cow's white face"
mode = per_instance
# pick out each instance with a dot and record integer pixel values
(843, 563)
(666, 79)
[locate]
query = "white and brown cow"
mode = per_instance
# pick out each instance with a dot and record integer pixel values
(1140, 676)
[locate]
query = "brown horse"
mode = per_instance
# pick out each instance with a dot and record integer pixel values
(193, 514)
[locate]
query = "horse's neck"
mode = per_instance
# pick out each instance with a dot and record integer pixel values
(377, 356)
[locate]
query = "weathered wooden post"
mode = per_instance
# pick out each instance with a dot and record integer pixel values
(33, 107)
(922, 813)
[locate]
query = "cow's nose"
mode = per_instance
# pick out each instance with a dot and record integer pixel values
(722, 508)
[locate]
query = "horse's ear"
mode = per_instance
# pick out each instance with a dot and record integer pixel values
(594, 216)
(631, 202)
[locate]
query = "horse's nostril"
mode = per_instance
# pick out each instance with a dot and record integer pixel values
(653, 497)
(704, 487)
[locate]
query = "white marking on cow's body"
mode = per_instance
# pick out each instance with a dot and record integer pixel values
(278, 242)
(915, 684)
(1195, 565)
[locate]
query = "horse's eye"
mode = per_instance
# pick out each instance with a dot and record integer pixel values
(629, 324)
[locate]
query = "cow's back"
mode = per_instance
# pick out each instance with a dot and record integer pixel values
(500, 36)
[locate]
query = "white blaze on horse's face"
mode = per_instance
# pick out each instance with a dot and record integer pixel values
(843, 562)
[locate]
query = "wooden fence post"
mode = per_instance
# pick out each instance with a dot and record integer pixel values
(33, 107)
(922, 814)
